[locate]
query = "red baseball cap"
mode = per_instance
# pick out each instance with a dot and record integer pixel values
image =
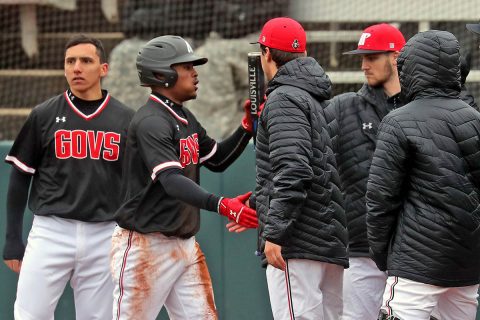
(284, 34)
(379, 38)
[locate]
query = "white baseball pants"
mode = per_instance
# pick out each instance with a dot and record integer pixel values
(59, 250)
(152, 270)
(306, 290)
(363, 287)
(411, 300)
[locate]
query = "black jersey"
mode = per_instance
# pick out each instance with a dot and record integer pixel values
(162, 135)
(75, 159)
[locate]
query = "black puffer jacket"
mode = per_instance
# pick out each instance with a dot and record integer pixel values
(465, 94)
(353, 120)
(423, 195)
(467, 97)
(299, 202)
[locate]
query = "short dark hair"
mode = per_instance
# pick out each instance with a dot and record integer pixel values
(282, 57)
(81, 38)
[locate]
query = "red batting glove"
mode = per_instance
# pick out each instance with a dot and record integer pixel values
(247, 122)
(235, 209)
(243, 198)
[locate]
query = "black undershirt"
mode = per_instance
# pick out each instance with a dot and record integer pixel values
(17, 197)
(394, 102)
(87, 107)
(178, 186)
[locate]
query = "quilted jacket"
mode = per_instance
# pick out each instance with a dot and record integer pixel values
(353, 120)
(299, 202)
(423, 196)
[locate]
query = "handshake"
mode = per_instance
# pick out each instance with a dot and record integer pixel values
(236, 210)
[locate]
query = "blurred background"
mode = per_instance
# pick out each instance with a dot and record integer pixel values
(32, 38)
(33, 34)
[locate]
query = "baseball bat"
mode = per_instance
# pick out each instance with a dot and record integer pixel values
(256, 87)
(256, 94)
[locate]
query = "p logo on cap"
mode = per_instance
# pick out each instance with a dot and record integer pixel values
(379, 38)
(364, 37)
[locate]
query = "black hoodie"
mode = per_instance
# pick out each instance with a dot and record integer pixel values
(423, 196)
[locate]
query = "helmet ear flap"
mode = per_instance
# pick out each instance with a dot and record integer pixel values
(171, 79)
(166, 79)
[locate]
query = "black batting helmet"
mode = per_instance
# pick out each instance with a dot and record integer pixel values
(157, 57)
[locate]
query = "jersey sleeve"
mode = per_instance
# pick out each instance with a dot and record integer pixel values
(25, 153)
(155, 144)
(208, 146)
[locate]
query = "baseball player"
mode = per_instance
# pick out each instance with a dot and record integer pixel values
(155, 258)
(71, 150)
(353, 119)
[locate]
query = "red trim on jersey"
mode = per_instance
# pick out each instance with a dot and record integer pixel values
(182, 120)
(20, 165)
(210, 154)
(122, 271)
(165, 165)
(90, 116)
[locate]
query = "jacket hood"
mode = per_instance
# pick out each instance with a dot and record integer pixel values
(304, 73)
(429, 66)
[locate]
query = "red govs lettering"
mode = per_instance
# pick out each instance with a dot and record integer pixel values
(189, 150)
(80, 144)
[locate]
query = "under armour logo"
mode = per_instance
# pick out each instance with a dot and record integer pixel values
(178, 128)
(363, 38)
(295, 44)
(58, 119)
(233, 214)
(263, 38)
(367, 126)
